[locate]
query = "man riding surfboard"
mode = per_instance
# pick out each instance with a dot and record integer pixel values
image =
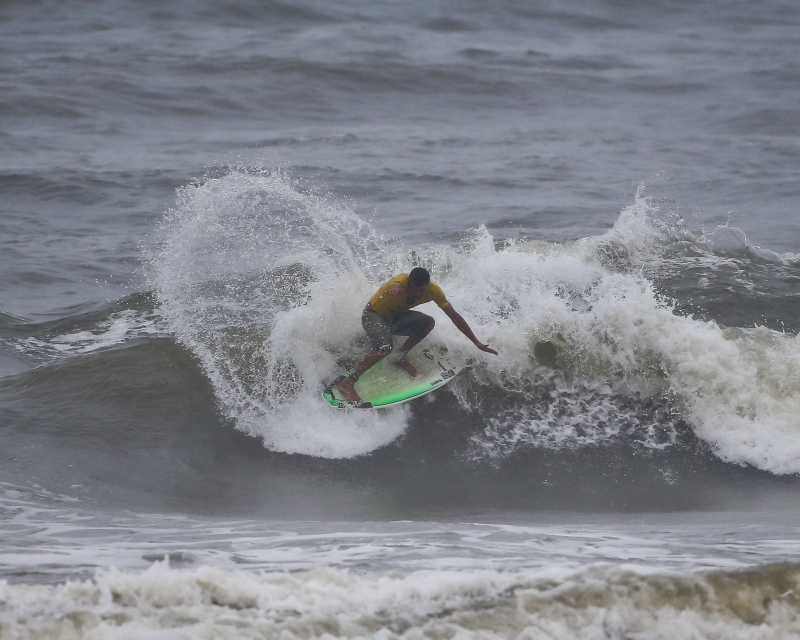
(388, 313)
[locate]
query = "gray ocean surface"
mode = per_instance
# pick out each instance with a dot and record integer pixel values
(196, 201)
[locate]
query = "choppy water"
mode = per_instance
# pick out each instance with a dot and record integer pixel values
(197, 199)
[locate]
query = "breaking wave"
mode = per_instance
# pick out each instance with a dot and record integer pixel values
(264, 282)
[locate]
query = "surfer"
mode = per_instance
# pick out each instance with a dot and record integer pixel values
(388, 313)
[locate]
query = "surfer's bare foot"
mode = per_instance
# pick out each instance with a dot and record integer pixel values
(403, 362)
(348, 388)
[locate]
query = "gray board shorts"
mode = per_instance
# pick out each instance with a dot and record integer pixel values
(380, 328)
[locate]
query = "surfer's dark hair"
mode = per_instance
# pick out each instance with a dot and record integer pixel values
(419, 276)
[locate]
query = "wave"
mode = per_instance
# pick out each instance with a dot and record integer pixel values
(264, 283)
(612, 602)
(81, 329)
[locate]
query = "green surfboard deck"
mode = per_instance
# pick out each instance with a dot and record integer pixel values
(388, 384)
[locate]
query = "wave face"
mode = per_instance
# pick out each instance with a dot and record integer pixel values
(264, 283)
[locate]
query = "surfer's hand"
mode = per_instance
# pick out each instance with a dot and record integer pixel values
(485, 347)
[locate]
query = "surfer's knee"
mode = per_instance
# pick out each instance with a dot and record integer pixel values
(384, 350)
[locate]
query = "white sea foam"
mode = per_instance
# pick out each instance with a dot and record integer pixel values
(607, 602)
(265, 284)
(50, 537)
(712, 575)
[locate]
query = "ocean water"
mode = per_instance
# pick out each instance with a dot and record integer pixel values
(197, 199)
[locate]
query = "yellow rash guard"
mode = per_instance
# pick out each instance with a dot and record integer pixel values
(388, 305)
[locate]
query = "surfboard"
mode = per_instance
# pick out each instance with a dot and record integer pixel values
(388, 384)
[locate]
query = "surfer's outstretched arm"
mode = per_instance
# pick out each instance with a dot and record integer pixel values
(464, 328)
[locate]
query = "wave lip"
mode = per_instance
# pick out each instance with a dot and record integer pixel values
(731, 240)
